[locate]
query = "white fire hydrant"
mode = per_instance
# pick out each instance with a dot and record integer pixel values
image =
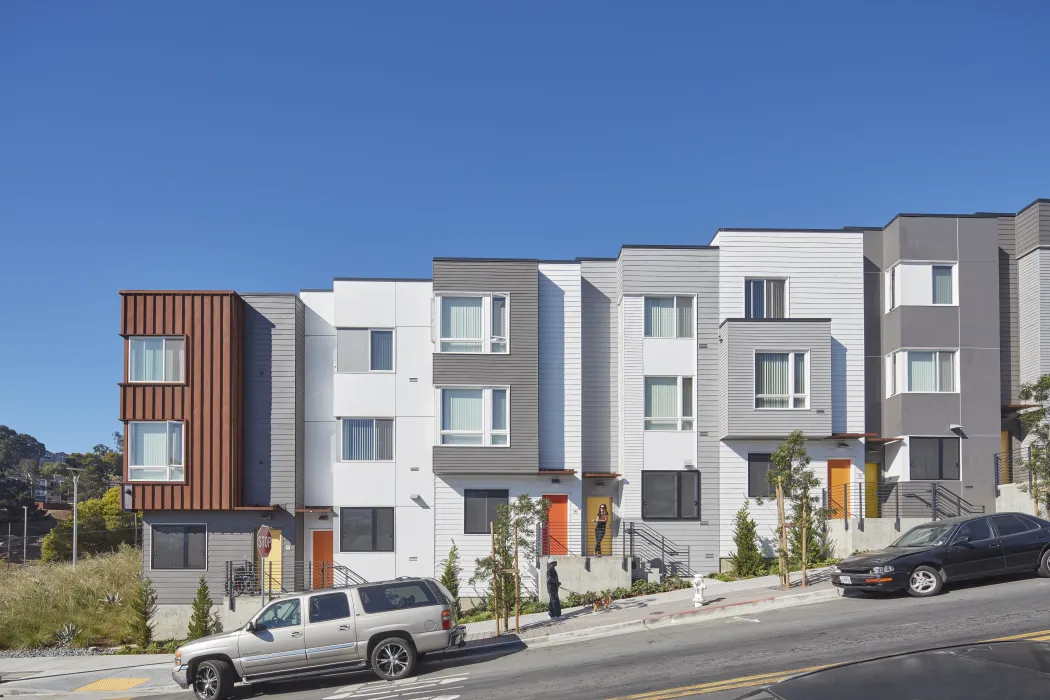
(698, 591)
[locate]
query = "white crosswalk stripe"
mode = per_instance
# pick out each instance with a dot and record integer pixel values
(415, 688)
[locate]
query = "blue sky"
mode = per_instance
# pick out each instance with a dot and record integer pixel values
(271, 146)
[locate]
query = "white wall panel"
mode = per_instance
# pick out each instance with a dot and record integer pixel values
(364, 304)
(364, 395)
(669, 356)
(560, 357)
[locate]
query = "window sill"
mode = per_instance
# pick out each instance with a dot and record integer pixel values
(675, 430)
(182, 383)
(669, 337)
(497, 447)
(173, 569)
(449, 352)
(371, 371)
(764, 408)
(146, 482)
(933, 393)
(367, 461)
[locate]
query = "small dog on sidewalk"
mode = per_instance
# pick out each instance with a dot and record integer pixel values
(604, 602)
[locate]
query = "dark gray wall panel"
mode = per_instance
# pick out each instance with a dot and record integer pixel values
(891, 244)
(874, 391)
(1009, 341)
(928, 414)
(927, 327)
(928, 238)
(979, 305)
(519, 369)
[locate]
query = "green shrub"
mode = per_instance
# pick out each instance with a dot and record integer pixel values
(202, 622)
(144, 609)
(450, 576)
(747, 561)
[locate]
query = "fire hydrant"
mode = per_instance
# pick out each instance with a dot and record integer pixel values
(698, 591)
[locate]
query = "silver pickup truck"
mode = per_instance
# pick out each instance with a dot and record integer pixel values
(387, 625)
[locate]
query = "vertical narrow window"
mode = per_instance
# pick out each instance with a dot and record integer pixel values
(684, 314)
(893, 374)
(942, 284)
(771, 380)
(755, 299)
(798, 381)
(382, 351)
(661, 403)
(461, 324)
(687, 403)
(157, 359)
(499, 417)
(893, 287)
(659, 317)
(922, 371)
(358, 439)
(499, 324)
(776, 306)
(945, 371)
(385, 439)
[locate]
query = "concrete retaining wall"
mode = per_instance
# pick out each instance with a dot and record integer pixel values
(172, 621)
(583, 574)
(849, 536)
(1012, 499)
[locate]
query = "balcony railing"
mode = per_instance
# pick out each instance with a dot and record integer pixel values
(1012, 468)
(247, 577)
(930, 500)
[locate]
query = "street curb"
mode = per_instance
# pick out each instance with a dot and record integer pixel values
(686, 617)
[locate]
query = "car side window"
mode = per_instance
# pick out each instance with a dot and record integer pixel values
(1008, 525)
(283, 613)
(329, 606)
(974, 531)
(1032, 523)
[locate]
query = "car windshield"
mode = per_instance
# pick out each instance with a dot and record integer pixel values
(924, 536)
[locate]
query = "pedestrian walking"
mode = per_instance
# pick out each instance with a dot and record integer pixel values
(553, 584)
(600, 524)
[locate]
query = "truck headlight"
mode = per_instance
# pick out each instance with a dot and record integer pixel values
(880, 570)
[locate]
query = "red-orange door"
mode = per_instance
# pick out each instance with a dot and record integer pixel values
(556, 531)
(322, 558)
(838, 488)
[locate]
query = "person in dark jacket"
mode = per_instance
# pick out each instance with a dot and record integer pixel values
(553, 584)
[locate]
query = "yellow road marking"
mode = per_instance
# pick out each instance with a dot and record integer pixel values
(769, 678)
(111, 684)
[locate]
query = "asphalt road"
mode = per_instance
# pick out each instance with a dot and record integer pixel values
(672, 662)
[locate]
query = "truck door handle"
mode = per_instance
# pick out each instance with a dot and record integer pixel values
(297, 634)
(344, 628)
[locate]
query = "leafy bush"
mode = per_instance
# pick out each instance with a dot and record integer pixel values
(102, 526)
(450, 575)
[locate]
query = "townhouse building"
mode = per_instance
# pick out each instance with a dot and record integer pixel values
(375, 424)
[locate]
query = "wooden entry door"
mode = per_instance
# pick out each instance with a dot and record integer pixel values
(593, 504)
(322, 559)
(871, 490)
(556, 530)
(838, 482)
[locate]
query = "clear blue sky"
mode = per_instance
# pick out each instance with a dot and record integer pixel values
(271, 146)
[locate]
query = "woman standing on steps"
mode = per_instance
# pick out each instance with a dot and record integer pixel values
(599, 529)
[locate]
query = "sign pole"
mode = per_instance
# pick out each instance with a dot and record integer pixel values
(517, 582)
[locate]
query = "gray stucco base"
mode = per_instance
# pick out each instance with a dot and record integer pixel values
(172, 621)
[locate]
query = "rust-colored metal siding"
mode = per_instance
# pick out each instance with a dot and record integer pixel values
(209, 400)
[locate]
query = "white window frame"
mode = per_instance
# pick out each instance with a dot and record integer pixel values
(955, 287)
(679, 394)
(765, 295)
(169, 467)
(487, 339)
(486, 399)
(374, 438)
(894, 283)
(899, 359)
(163, 350)
(674, 302)
(207, 543)
(393, 350)
(791, 395)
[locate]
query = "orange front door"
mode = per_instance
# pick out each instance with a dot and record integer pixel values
(838, 488)
(322, 558)
(556, 531)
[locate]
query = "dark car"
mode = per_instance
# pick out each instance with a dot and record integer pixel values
(1008, 670)
(924, 558)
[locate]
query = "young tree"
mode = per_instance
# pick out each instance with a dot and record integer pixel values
(103, 526)
(747, 560)
(144, 609)
(795, 483)
(1036, 423)
(450, 575)
(202, 624)
(527, 514)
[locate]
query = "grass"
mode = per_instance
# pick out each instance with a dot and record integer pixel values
(37, 601)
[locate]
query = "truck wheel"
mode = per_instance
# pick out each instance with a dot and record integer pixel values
(393, 658)
(212, 680)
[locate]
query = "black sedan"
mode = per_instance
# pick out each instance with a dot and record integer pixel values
(1008, 670)
(926, 557)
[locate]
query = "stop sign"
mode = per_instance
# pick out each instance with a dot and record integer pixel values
(263, 540)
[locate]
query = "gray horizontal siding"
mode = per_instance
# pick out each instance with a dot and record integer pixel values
(740, 341)
(599, 318)
(667, 270)
(231, 537)
(519, 369)
(1033, 228)
(273, 399)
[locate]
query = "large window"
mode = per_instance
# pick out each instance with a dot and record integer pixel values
(921, 284)
(155, 451)
(934, 458)
(474, 416)
(669, 317)
(669, 403)
(765, 298)
(480, 507)
(157, 359)
(364, 350)
(670, 495)
(366, 529)
(758, 466)
(368, 439)
(781, 380)
(178, 547)
(924, 371)
(475, 323)
(396, 595)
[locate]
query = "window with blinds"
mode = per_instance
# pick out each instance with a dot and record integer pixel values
(765, 298)
(156, 359)
(669, 317)
(782, 380)
(364, 350)
(477, 323)
(155, 450)
(670, 495)
(669, 403)
(476, 417)
(367, 439)
(921, 371)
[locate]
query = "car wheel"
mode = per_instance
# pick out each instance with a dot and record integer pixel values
(393, 659)
(924, 582)
(1044, 564)
(212, 680)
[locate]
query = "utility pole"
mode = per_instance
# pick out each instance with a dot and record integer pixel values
(76, 480)
(25, 533)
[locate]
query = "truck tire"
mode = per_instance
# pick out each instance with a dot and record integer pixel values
(392, 659)
(212, 680)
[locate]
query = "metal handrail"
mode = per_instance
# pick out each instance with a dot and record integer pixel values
(246, 577)
(638, 540)
(903, 499)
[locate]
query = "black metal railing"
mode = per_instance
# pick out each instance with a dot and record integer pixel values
(553, 539)
(931, 500)
(248, 578)
(1013, 468)
(641, 542)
